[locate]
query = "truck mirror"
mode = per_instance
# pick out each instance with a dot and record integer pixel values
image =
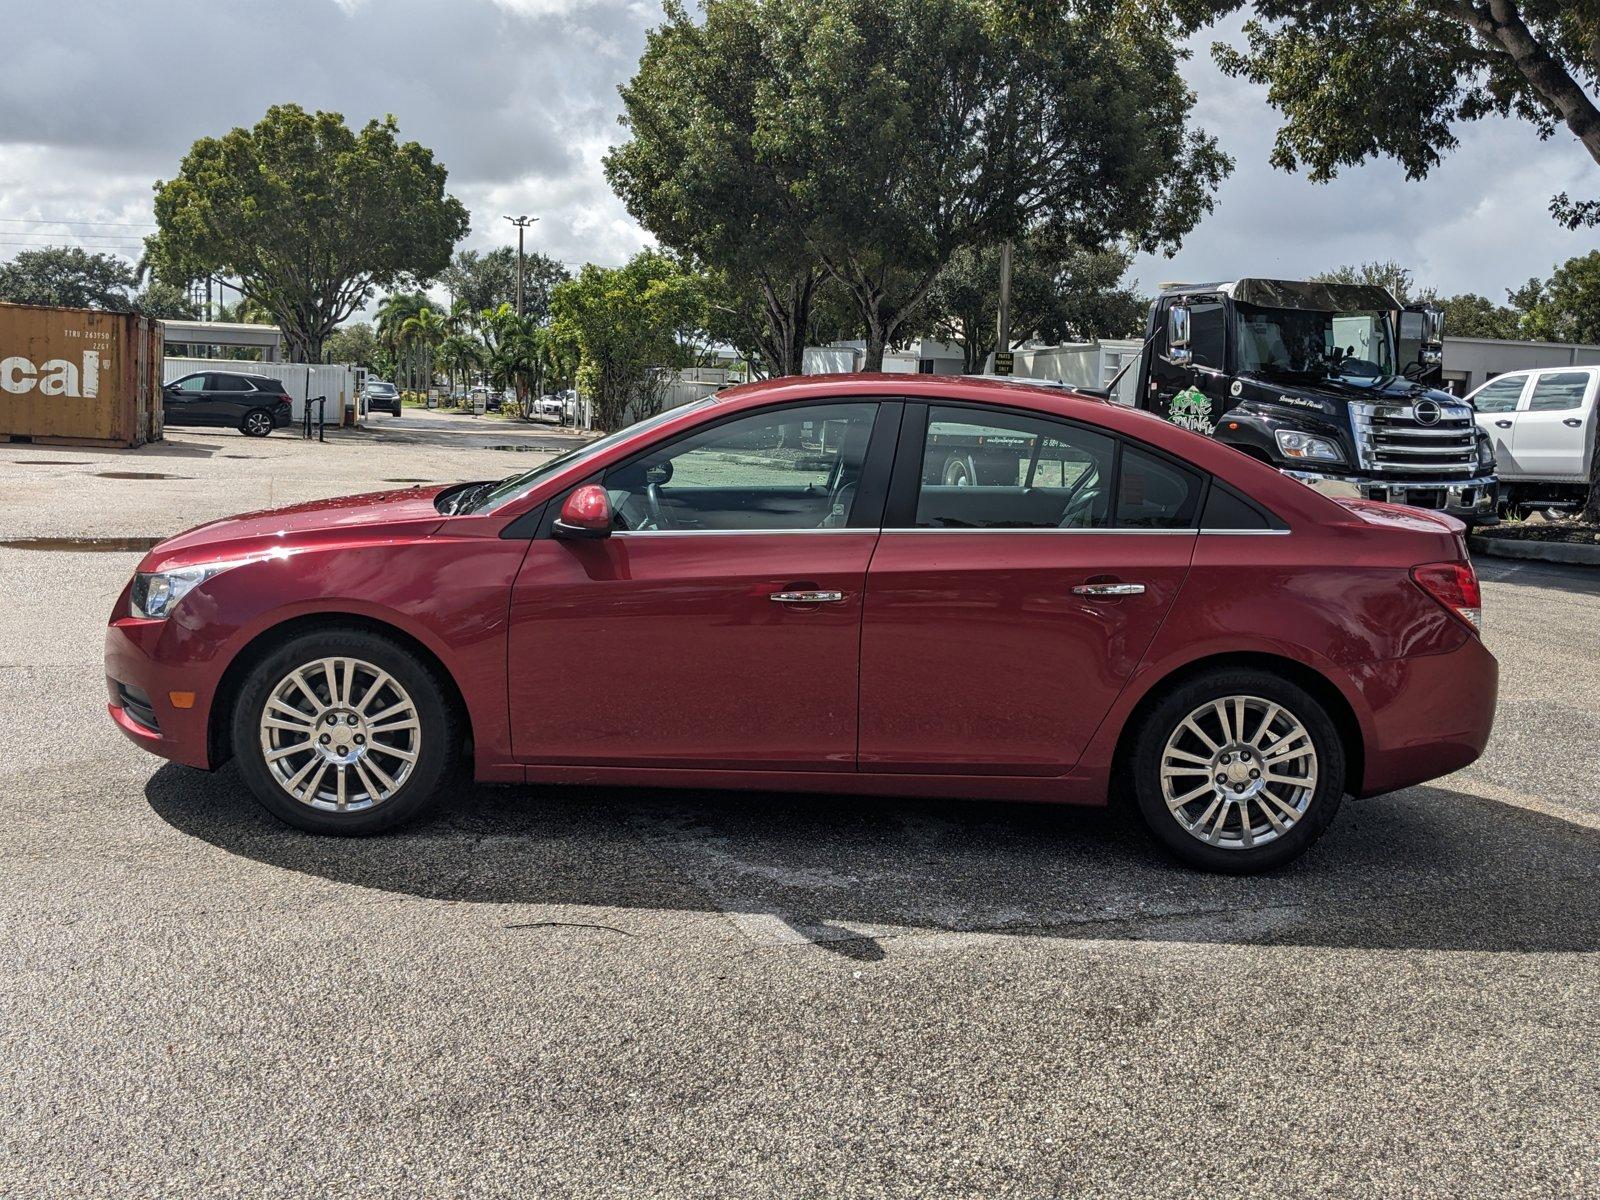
(1178, 352)
(1432, 350)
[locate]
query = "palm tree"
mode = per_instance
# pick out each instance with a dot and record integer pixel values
(517, 351)
(460, 352)
(425, 330)
(396, 309)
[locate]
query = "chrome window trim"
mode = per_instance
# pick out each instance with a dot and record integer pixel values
(634, 533)
(1039, 529)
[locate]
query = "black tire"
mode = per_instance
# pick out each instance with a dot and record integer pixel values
(256, 423)
(1169, 714)
(958, 472)
(434, 747)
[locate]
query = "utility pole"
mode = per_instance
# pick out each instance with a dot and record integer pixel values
(522, 224)
(1002, 350)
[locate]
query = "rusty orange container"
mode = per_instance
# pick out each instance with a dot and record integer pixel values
(79, 375)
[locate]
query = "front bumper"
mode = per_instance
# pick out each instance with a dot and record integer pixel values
(159, 708)
(1471, 500)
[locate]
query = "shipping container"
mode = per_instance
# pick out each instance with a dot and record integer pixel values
(79, 375)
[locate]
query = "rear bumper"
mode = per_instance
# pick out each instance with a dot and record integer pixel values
(1471, 500)
(156, 724)
(1427, 716)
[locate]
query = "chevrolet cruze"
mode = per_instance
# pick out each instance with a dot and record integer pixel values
(866, 584)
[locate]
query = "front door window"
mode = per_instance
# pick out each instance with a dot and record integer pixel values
(790, 469)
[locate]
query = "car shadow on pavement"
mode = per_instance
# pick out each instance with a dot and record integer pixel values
(1428, 868)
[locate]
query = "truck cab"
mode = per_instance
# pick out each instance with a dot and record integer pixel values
(1328, 382)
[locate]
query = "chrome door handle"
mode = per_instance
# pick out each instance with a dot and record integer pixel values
(1572, 421)
(1109, 589)
(1503, 424)
(806, 597)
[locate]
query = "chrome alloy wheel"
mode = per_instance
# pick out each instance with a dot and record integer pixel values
(258, 423)
(1239, 772)
(340, 734)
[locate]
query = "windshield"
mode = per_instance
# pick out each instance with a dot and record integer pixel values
(1283, 342)
(512, 486)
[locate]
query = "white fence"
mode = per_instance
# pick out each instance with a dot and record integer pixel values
(341, 384)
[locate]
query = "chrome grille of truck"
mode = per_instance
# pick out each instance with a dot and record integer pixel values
(1390, 438)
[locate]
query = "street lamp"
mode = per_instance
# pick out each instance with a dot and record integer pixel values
(522, 224)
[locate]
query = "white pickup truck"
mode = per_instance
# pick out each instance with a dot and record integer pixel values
(1542, 426)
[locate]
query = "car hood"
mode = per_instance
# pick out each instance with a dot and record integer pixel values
(342, 520)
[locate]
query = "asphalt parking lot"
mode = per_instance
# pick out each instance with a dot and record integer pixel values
(544, 992)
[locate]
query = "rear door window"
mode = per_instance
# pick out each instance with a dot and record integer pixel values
(1155, 493)
(230, 383)
(986, 470)
(1558, 390)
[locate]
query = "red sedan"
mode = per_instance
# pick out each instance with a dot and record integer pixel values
(872, 584)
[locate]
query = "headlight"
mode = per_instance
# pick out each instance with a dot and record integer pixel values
(1485, 454)
(156, 593)
(1305, 448)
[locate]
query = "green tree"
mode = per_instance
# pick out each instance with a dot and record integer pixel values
(308, 216)
(1566, 308)
(393, 312)
(1473, 316)
(354, 343)
(484, 281)
(1397, 78)
(876, 138)
(165, 302)
(68, 277)
(694, 174)
(1059, 292)
(423, 332)
(626, 322)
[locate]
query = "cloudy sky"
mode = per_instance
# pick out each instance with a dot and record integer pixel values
(99, 98)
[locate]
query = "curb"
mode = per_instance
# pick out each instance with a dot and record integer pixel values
(1556, 552)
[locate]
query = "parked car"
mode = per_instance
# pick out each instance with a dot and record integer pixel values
(1542, 426)
(765, 589)
(382, 396)
(255, 405)
(551, 406)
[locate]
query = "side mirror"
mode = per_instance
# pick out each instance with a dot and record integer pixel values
(585, 513)
(1432, 336)
(1178, 352)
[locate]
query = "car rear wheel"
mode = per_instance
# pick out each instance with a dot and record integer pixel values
(257, 423)
(1238, 770)
(343, 732)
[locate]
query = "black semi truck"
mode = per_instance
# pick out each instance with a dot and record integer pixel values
(1329, 382)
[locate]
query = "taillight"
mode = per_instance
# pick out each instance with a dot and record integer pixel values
(1454, 585)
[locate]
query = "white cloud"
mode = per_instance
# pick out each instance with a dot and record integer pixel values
(1479, 223)
(518, 99)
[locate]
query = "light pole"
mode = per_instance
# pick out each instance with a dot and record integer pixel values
(522, 224)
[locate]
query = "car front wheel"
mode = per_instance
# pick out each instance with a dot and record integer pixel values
(257, 423)
(1238, 770)
(343, 732)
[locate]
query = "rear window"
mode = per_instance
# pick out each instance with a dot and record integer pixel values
(229, 383)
